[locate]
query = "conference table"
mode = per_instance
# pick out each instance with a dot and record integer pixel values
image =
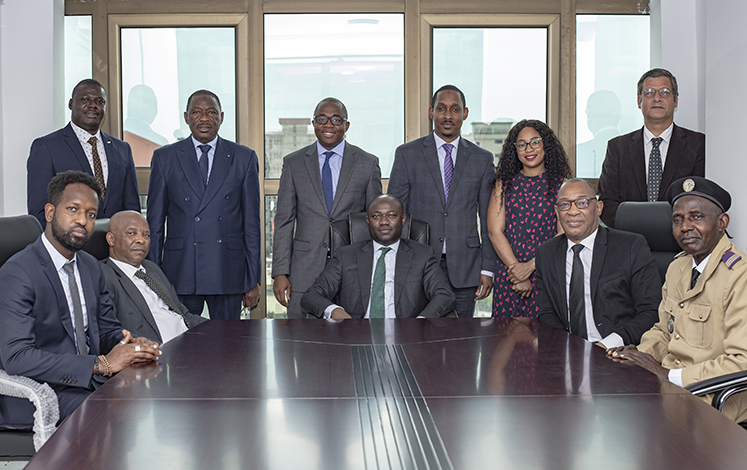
(390, 394)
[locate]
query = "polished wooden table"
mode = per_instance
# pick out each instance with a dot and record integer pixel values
(411, 394)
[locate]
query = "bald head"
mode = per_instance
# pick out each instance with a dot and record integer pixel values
(128, 237)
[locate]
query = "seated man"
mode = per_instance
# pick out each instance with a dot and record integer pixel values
(598, 283)
(407, 281)
(702, 327)
(144, 300)
(58, 323)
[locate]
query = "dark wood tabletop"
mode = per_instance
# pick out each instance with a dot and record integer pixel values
(409, 393)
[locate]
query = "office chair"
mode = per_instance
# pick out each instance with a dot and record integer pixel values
(355, 229)
(97, 245)
(15, 234)
(653, 220)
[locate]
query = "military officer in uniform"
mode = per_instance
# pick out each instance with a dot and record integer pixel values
(702, 327)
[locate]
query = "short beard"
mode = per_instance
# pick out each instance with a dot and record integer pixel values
(66, 239)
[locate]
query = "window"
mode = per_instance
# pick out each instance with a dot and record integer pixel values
(77, 54)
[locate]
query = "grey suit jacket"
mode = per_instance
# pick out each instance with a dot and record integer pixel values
(420, 287)
(416, 180)
(301, 239)
(130, 306)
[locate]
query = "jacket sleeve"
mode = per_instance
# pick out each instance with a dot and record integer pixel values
(252, 228)
(158, 201)
(325, 288)
(547, 314)
(285, 221)
(130, 193)
(39, 172)
(441, 300)
(609, 185)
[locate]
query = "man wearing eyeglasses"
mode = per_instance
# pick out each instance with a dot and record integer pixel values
(597, 283)
(641, 165)
(320, 184)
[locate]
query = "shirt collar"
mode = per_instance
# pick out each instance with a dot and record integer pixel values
(701, 267)
(213, 143)
(587, 242)
(83, 135)
(394, 246)
(57, 259)
(339, 149)
(666, 135)
(127, 268)
(440, 142)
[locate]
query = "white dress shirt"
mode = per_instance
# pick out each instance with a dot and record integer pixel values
(83, 137)
(335, 162)
(663, 145)
(211, 153)
(586, 255)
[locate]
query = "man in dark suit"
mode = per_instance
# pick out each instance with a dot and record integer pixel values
(445, 181)
(320, 184)
(58, 322)
(144, 301)
(206, 190)
(406, 281)
(82, 146)
(598, 283)
(641, 165)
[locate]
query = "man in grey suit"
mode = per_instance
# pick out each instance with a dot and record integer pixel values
(144, 301)
(320, 184)
(406, 282)
(446, 181)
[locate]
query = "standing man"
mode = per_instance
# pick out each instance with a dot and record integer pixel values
(83, 147)
(446, 181)
(206, 191)
(641, 165)
(320, 184)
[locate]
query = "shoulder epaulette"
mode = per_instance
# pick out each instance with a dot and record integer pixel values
(681, 253)
(730, 259)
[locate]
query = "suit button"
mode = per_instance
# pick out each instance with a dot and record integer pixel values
(218, 241)
(446, 214)
(186, 199)
(220, 218)
(441, 240)
(197, 219)
(195, 243)
(226, 196)
(324, 245)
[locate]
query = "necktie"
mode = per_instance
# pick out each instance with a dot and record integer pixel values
(654, 170)
(448, 170)
(80, 333)
(203, 161)
(694, 280)
(98, 172)
(327, 181)
(153, 285)
(576, 303)
(377, 286)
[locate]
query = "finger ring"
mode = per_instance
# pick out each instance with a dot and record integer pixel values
(137, 348)
(122, 342)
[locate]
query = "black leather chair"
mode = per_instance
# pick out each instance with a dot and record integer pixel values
(653, 220)
(15, 234)
(354, 229)
(97, 245)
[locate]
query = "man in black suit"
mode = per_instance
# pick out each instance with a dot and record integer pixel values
(406, 282)
(598, 283)
(641, 165)
(144, 301)
(58, 323)
(83, 147)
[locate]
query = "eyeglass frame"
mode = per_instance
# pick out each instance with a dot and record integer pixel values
(327, 119)
(575, 203)
(668, 91)
(538, 140)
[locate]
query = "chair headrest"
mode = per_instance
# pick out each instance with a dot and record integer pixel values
(97, 245)
(653, 220)
(16, 233)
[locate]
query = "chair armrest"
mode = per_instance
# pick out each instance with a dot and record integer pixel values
(723, 387)
(41, 396)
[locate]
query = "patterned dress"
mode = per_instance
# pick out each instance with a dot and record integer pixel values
(530, 221)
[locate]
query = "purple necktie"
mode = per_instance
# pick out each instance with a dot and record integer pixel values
(448, 170)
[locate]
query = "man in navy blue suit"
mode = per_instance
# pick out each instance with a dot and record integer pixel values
(203, 212)
(83, 147)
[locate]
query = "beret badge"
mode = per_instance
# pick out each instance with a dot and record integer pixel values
(688, 185)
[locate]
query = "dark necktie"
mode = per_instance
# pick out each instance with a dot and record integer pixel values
(377, 286)
(203, 161)
(654, 170)
(448, 170)
(80, 332)
(694, 280)
(576, 303)
(327, 181)
(153, 285)
(98, 172)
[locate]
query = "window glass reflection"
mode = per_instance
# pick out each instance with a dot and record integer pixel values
(274, 309)
(77, 55)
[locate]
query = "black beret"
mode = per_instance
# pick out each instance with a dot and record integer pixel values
(697, 186)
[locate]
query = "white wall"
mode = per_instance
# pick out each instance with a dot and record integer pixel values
(31, 81)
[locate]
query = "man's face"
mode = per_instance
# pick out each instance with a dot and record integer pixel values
(328, 134)
(204, 117)
(697, 225)
(73, 219)
(657, 110)
(578, 223)
(448, 115)
(385, 219)
(88, 107)
(129, 239)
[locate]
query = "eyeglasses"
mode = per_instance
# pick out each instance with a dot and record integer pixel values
(322, 120)
(651, 92)
(581, 203)
(534, 143)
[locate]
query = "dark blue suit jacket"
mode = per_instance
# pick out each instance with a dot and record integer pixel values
(37, 338)
(213, 242)
(61, 151)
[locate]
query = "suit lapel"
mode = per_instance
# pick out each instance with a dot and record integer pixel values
(349, 159)
(676, 148)
(187, 158)
(401, 270)
(430, 155)
(597, 260)
(134, 294)
(559, 262)
(315, 176)
(91, 305)
(365, 271)
(111, 157)
(77, 149)
(462, 162)
(221, 164)
(637, 161)
(54, 279)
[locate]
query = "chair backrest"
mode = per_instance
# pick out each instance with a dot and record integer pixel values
(97, 245)
(653, 220)
(16, 233)
(354, 229)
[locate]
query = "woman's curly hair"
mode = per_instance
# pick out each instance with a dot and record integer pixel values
(556, 160)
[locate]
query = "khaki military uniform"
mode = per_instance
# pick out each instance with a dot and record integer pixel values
(703, 330)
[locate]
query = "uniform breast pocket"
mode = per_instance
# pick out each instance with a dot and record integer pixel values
(699, 327)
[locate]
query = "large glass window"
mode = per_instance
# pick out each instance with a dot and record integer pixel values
(501, 88)
(357, 58)
(612, 52)
(77, 54)
(161, 67)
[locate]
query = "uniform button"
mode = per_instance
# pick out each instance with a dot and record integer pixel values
(219, 241)
(700, 316)
(677, 336)
(197, 219)
(682, 305)
(186, 199)
(677, 361)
